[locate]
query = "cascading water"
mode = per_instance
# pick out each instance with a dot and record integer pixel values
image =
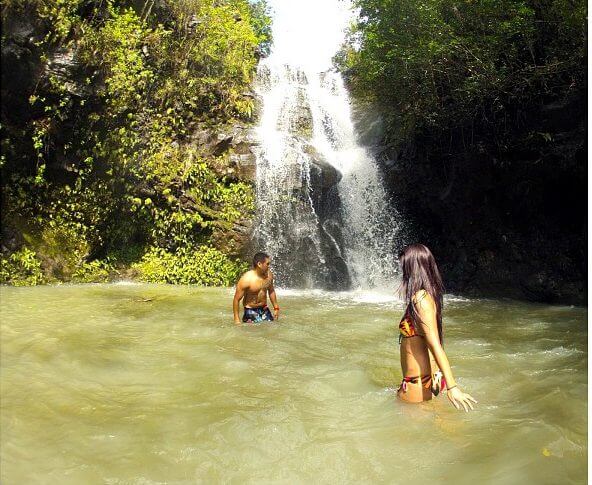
(324, 214)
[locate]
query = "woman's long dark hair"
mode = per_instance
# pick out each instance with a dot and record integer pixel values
(420, 272)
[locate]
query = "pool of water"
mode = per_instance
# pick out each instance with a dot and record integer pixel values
(142, 384)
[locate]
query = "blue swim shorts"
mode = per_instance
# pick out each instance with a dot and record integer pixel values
(257, 315)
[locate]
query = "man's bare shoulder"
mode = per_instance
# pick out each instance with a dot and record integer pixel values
(246, 278)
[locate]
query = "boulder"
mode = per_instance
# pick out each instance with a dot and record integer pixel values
(325, 174)
(296, 116)
(233, 146)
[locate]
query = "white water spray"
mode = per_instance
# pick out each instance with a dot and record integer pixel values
(324, 213)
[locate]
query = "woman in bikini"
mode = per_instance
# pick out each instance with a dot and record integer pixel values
(421, 335)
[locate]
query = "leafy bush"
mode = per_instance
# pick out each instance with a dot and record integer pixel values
(438, 65)
(64, 248)
(104, 163)
(21, 268)
(202, 266)
(96, 271)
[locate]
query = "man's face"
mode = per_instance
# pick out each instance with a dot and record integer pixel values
(264, 266)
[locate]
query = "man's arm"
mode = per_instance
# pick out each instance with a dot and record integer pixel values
(239, 293)
(273, 299)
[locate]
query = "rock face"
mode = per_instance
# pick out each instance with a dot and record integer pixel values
(296, 116)
(326, 202)
(32, 72)
(230, 152)
(20, 52)
(507, 224)
(233, 146)
(299, 209)
(306, 217)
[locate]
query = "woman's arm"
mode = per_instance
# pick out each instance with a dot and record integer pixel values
(428, 326)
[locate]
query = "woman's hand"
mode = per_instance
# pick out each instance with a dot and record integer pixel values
(459, 398)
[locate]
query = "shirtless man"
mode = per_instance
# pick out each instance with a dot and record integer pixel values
(254, 286)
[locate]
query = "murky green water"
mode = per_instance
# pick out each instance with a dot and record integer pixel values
(154, 384)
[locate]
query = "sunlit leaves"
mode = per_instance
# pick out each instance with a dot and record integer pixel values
(143, 79)
(436, 64)
(201, 265)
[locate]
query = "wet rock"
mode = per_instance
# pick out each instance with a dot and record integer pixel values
(63, 66)
(369, 125)
(296, 116)
(323, 174)
(263, 78)
(333, 242)
(234, 146)
(12, 239)
(236, 240)
(301, 116)
(246, 166)
(296, 76)
(502, 222)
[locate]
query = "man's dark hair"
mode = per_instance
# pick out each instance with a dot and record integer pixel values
(259, 258)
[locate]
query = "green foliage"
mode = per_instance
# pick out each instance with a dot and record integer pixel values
(235, 200)
(214, 46)
(97, 271)
(190, 199)
(201, 265)
(127, 73)
(21, 268)
(64, 249)
(105, 168)
(61, 16)
(261, 21)
(437, 65)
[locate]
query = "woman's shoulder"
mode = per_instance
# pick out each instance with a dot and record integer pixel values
(422, 297)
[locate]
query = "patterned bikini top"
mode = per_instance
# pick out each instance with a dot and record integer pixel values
(406, 326)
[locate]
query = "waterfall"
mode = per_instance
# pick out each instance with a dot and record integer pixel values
(323, 211)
